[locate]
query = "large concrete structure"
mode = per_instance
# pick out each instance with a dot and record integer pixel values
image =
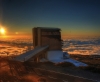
(47, 47)
(47, 36)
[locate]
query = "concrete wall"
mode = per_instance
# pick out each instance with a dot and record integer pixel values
(45, 36)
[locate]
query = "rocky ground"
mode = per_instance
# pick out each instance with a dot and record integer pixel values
(11, 71)
(93, 62)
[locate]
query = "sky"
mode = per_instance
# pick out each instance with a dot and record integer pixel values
(75, 18)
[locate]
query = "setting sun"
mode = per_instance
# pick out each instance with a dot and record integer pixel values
(2, 31)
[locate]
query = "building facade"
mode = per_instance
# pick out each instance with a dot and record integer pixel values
(47, 36)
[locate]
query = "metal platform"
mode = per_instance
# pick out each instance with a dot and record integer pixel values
(26, 56)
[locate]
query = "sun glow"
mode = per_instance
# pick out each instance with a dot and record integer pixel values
(2, 31)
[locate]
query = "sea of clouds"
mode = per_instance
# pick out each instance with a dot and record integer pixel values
(82, 46)
(13, 47)
(72, 46)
